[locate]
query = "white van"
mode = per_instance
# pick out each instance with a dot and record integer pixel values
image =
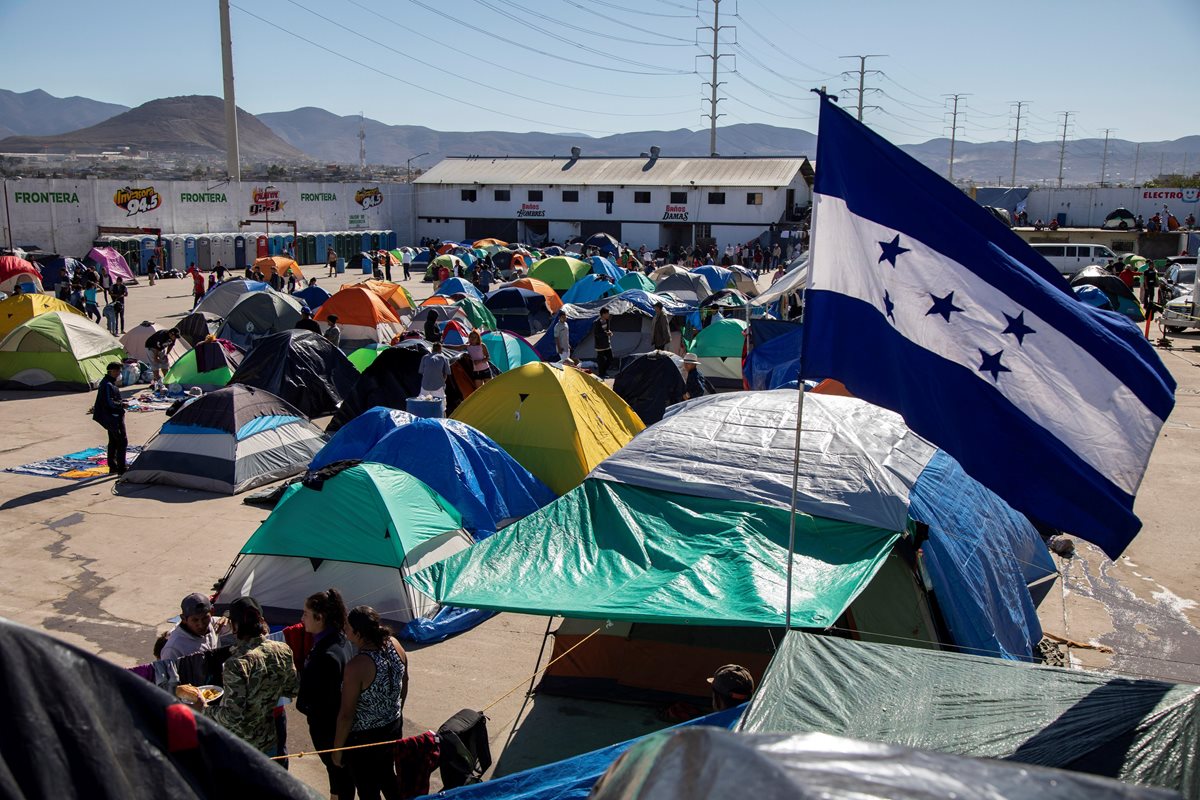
(1070, 258)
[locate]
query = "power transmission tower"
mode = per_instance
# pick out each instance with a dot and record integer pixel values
(1016, 139)
(953, 131)
(362, 143)
(1104, 158)
(1062, 147)
(862, 73)
(233, 167)
(716, 56)
(1137, 160)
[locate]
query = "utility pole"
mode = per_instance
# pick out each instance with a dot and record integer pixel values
(953, 132)
(1016, 139)
(1062, 147)
(862, 76)
(1104, 158)
(1137, 158)
(362, 143)
(716, 56)
(232, 157)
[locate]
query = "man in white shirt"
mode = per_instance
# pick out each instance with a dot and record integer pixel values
(197, 630)
(434, 369)
(406, 258)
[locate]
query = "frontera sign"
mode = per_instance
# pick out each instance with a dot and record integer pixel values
(45, 197)
(675, 214)
(265, 201)
(137, 201)
(368, 198)
(531, 210)
(202, 197)
(318, 197)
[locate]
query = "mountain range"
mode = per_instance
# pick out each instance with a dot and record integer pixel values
(194, 125)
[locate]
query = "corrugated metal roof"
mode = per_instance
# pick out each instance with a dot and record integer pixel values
(680, 172)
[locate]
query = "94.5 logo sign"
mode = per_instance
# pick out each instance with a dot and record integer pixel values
(137, 201)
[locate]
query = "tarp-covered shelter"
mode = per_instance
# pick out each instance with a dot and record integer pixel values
(589, 288)
(111, 263)
(198, 326)
(773, 361)
(209, 365)
(134, 343)
(362, 530)
(507, 350)
(362, 315)
(650, 383)
(258, 315)
(16, 271)
(80, 726)
(1139, 731)
(24, 307)
(221, 299)
(1120, 297)
(57, 350)
(718, 278)
(557, 422)
(519, 310)
(719, 347)
(57, 268)
(302, 368)
(228, 441)
(630, 321)
(559, 272)
(604, 266)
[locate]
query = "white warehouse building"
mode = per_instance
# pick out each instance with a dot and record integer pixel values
(650, 200)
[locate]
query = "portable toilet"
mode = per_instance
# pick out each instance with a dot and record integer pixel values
(310, 250)
(374, 240)
(339, 244)
(204, 257)
(321, 247)
(275, 244)
(189, 251)
(289, 244)
(178, 253)
(260, 246)
(239, 252)
(145, 252)
(391, 240)
(366, 242)
(223, 250)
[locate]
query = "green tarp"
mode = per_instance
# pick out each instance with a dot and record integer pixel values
(620, 552)
(1140, 731)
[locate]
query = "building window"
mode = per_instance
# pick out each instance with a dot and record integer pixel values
(502, 195)
(716, 198)
(641, 197)
(754, 198)
(469, 195)
(704, 230)
(678, 198)
(604, 197)
(570, 195)
(535, 195)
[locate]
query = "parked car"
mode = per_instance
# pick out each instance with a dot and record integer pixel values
(1070, 258)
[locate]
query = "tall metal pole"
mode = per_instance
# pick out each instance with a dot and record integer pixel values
(712, 102)
(862, 77)
(1104, 158)
(953, 133)
(1016, 141)
(7, 217)
(232, 157)
(1062, 147)
(1137, 160)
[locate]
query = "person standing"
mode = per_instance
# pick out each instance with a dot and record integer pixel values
(374, 688)
(220, 271)
(385, 259)
(109, 412)
(695, 384)
(602, 337)
(152, 270)
(434, 369)
(332, 332)
(481, 368)
(90, 306)
(406, 262)
(320, 695)
(484, 278)
(562, 337)
(117, 294)
(197, 284)
(257, 674)
(661, 336)
(331, 259)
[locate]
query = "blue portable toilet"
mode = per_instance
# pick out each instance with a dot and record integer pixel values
(189, 251)
(310, 250)
(321, 247)
(366, 242)
(375, 240)
(239, 252)
(276, 245)
(391, 240)
(147, 248)
(288, 239)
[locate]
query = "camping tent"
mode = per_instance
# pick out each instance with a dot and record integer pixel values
(649, 383)
(635, 280)
(359, 435)
(688, 287)
(744, 281)
(559, 272)
(362, 315)
(227, 441)
(557, 422)
(466, 468)
(363, 530)
(453, 286)
(209, 365)
(111, 263)
(1120, 297)
(311, 296)
(221, 299)
(134, 343)
(1140, 731)
(453, 264)
(126, 737)
(365, 356)
(302, 368)
(393, 294)
(57, 269)
(666, 271)
(520, 310)
(773, 360)
(630, 321)
(553, 301)
(24, 307)
(508, 351)
(603, 266)
(717, 277)
(589, 288)
(278, 264)
(57, 350)
(16, 272)
(198, 326)
(605, 243)
(1120, 219)
(478, 314)
(719, 347)
(258, 315)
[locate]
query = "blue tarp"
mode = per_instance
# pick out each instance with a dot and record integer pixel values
(981, 556)
(580, 325)
(312, 296)
(775, 363)
(448, 621)
(717, 277)
(572, 778)
(604, 266)
(589, 288)
(359, 435)
(458, 286)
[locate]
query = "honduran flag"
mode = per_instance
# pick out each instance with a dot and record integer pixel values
(920, 301)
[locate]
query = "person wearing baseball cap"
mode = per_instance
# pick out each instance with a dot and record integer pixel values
(732, 685)
(197, 630)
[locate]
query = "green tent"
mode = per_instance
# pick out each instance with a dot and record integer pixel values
(614, 551)
(361, 530)
(185, 373)
(719, 347)
(481, 318)
(508, 350)
(364, 357)
(57, 350)
(1140, 731)
(635, 280)
(560, 272)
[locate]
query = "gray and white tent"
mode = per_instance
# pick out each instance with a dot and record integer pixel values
(228, 441)
(259, 314)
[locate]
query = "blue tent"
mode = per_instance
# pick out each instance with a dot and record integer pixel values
(605, 243)
(518, 310)
(718, 277)
(57, 269)
(774, 360)
(604, 266)
(1093, 296)
(359, 435)
(572, 778)
(458, 286)
(312, 296)
(423, 257)
(589, 288)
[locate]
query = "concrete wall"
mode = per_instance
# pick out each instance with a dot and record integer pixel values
(62, 215)
(1088, 207)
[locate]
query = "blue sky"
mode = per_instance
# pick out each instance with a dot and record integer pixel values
(608, 66)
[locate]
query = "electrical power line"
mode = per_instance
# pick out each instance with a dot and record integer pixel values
(862, 74)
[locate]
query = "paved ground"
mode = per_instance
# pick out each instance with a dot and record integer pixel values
(106, 572)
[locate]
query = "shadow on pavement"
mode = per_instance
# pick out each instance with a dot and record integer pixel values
(50, 494)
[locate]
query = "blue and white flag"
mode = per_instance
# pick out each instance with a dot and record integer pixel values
(920, 301)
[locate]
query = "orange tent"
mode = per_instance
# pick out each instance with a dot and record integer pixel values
(391, 257)
(447, 247)
(553, 301)
(436, 300)
(280, 264)
(830, 386)
(391, 293)
(362, 315)
(489, 243)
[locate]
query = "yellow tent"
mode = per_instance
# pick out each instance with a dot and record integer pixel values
(23, 307)
(557, 422)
